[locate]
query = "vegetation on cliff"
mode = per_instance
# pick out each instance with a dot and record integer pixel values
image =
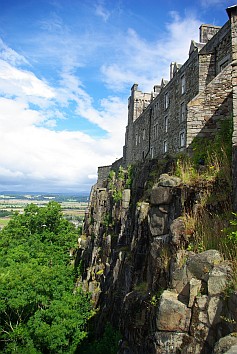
(41, 311)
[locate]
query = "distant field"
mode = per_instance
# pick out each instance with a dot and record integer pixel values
(73, 207)
(4, 222)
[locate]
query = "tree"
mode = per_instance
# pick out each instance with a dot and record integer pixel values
(41, 311)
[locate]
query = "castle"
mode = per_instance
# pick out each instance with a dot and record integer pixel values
(199, 94)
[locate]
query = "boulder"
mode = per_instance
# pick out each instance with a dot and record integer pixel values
(158, 221)
(200, 265)
(218, 279)
(226, 345)
(166, 180)
(160, 195)
(173, 315)
(177, 232)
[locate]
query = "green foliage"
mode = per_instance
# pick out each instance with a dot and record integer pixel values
(117, 195)
(5, 213)
(107, 220)
(121, 174)
(230, 238)
(155, 299)
(107, 344)
(204, 148)
(40, 311)
(130, 176)
(211, 158)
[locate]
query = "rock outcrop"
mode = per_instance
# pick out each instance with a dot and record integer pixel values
(143, 279)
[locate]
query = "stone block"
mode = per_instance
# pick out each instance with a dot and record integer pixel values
(218, 279)
(158, 222)
(173, 315)
(214, 310)
(160, 195)
(200, 265)
(194, 288)
(126, 198)
(227, 344)
(177, 231)
(166, 180)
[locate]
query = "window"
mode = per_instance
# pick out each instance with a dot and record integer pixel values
(224, 62)
(182, 112)
(166, 100)
(144, 134)
(166, 124)
(152, 152)
(136, 139)
(223, 65)
(183, 85)
(165, 146)
(155, 131)
(182, 139)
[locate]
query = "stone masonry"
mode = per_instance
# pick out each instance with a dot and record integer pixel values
(199, 94)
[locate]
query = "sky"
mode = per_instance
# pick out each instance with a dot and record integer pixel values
(66, 69)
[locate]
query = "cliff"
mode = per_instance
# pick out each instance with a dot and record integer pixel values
(148, 267)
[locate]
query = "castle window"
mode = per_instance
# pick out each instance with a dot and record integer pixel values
(182, 139)
(136, 139)
(152, 152)
(155, 131)
(166, 100)
(165, 146)
(223, 63)
(183, 85)
(144, 134)
(166, 124)
(182, 112)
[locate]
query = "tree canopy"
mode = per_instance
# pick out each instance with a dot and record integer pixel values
(41, 310)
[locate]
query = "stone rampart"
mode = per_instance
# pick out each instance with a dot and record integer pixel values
(103, 173)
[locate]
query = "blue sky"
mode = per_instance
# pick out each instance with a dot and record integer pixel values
(66, 69)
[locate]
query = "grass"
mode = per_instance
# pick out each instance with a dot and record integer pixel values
(4, 222)
(212, 225)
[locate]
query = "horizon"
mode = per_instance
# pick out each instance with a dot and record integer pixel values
(65, 76)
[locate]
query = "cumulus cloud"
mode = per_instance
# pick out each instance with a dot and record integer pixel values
(40, 156)
(37, 156)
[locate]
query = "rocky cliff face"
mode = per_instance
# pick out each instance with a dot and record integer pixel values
(144, 280)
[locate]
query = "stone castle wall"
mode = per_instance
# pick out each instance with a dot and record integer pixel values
(200, 92)
(163, 125)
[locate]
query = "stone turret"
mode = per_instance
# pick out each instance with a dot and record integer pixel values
(207, 32)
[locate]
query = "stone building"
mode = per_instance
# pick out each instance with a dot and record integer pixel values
(199, 94)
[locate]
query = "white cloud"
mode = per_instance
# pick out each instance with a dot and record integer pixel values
(11, 55)
(39, 157)
(36, 156)
(101, 10)
(146, 62)
(14, 81)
